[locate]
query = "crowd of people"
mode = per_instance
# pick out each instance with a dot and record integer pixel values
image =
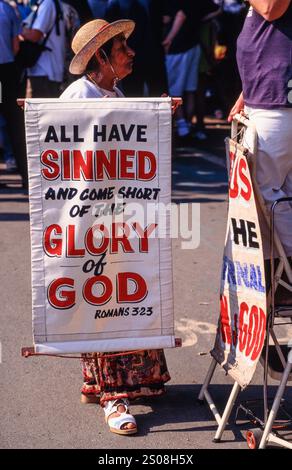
(182, 48)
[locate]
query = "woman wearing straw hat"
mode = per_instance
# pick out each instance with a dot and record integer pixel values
(103, 57)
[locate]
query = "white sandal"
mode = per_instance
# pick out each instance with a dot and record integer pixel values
(115, 423)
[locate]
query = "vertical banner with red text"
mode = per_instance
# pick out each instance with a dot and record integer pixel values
(101, 256)
(242, 324)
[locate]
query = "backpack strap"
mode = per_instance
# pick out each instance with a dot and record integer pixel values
(38, 4)
(59, 16)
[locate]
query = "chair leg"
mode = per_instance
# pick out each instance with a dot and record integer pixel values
(227, 411)
(276, 405)
(208, 379)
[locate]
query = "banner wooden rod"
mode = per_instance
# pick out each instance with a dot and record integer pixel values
(30, 351)
(174, 101)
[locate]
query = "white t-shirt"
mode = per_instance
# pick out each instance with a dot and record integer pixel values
(85, 88)
(51, 63)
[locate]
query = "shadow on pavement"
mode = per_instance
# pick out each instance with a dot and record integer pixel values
(13, 199)
(179, 408)
(13, 217)
(195, 179)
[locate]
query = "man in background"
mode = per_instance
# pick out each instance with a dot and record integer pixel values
(149, 63)
(9, 45)
(47, 24)
(183, 51)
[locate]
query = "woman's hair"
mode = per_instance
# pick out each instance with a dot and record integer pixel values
(105, 51)
(93, 65)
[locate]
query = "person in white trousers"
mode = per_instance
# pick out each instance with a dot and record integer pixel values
(264, 55)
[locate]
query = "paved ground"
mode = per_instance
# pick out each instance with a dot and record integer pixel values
(39, 397)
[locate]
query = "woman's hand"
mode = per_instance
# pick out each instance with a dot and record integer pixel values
(238, 108)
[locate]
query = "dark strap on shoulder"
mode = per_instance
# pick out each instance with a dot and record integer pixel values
(35, 12)
(59, 17)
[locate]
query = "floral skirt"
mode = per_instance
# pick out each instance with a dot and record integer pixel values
(140, 374)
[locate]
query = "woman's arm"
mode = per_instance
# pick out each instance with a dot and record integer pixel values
(33, 35)
(270, 9)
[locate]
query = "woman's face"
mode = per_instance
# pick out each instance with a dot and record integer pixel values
(122, 57)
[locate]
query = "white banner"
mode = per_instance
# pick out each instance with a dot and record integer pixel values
(101, 257)
(242, 323)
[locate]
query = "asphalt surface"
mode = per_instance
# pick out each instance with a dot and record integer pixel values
(40, 397)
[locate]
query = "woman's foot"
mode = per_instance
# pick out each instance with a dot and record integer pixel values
(118, 417)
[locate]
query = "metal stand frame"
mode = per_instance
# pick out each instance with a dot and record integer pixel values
(204, 393)
(268, 435)
(269, 417)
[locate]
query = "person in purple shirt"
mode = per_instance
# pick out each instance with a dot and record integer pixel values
(264, 56)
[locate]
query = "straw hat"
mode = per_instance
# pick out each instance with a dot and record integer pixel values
(91, 37)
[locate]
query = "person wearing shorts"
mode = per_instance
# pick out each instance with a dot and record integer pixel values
(183, 55)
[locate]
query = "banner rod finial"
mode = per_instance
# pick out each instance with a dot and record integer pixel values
(27, 352)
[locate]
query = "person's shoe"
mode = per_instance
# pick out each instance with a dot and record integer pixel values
(89, 398)
(118, 417)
